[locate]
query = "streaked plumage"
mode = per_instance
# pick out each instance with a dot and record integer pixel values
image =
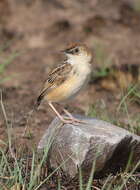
(55, 79)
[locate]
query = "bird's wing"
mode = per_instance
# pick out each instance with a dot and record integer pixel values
(55, 79)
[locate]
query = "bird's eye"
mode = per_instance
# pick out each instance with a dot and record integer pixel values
(76, 50)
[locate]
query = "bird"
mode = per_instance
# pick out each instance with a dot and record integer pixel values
(68, 79)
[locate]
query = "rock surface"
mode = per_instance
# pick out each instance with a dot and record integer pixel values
(79, 145)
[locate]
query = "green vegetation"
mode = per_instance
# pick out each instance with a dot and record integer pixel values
(102, 58)
(31, 173)
(137, 5)
(4, 65)
(129, 97)
(102, 61)
(132, 95)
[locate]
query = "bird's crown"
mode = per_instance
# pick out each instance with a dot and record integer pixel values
(76, 48)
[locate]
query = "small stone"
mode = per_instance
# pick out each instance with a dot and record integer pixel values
(80, 145)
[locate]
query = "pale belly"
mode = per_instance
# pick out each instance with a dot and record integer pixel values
(68, 89)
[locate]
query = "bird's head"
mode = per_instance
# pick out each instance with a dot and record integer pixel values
(78, 52)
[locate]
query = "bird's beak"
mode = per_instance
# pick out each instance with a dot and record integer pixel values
(68, 51)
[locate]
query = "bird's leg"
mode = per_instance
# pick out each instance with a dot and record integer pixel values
(58, 114)
(73, 119)
(70, 116)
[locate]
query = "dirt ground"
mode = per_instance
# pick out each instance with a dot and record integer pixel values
(35, 31)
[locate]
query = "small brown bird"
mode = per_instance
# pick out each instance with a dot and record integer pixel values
(65, 81)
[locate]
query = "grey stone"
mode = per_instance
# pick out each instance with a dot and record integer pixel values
(80, 145)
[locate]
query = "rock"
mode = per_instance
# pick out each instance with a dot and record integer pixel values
(79, 145)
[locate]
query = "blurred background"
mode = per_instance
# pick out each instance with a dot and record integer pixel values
(32, 32)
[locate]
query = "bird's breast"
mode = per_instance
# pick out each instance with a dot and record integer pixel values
(67, 90)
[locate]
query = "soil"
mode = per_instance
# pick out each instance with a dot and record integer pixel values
(34, 32)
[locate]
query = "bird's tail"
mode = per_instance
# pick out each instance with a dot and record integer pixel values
(38, 102)
(39, 99)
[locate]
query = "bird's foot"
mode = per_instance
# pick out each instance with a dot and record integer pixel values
(74, 120)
